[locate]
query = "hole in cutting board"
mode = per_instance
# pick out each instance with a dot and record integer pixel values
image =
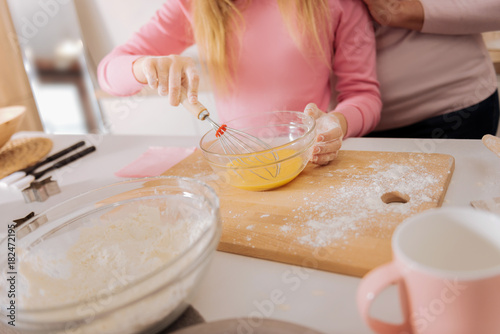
(395, 197)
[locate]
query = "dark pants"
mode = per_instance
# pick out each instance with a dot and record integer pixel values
(469, 123)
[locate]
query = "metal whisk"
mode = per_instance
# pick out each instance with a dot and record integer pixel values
(235, 142)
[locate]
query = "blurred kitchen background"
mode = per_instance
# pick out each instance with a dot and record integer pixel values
(51, 52)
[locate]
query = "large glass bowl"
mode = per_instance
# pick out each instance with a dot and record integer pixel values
(125, 258)
(279, 149)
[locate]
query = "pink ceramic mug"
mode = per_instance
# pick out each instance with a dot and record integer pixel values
(446, 263)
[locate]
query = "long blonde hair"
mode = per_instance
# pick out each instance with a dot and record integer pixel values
(308, 22)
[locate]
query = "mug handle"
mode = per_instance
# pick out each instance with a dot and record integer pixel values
(371, 285)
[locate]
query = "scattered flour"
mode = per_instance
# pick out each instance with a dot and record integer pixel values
(351, 207)
(285, 228)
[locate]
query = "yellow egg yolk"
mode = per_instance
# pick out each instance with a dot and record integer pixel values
(248, 175)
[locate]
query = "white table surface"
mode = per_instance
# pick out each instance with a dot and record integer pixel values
(241, 287)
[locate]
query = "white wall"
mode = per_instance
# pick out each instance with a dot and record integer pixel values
(49, 35)
(107, 23)
(43, 23)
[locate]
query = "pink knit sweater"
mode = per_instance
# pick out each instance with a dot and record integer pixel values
(271, 72)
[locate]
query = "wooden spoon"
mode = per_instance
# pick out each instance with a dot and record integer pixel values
(492, 143)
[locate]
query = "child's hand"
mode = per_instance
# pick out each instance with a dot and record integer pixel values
(328, 135)
(168, 74)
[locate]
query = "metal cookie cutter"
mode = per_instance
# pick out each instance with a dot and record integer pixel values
(20, 221)
(40, 191)
(22, 231)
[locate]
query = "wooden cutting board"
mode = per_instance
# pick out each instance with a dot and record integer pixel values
(337, 218)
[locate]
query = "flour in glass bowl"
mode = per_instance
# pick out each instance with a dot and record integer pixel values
(89, 261)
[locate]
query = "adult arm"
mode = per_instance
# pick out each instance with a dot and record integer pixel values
(354, 65)
(408, 14)
(452, 17)
(166, 34)
(457, 17)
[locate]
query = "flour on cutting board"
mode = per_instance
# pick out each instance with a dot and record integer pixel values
(342, 205)
(350, 207)
(322, 218)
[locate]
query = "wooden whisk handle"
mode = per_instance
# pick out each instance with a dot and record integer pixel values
(197, 109)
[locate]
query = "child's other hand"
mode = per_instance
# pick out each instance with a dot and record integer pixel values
(168, 74)
(328, 135)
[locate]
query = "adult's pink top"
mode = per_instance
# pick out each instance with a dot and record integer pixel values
(272, 73)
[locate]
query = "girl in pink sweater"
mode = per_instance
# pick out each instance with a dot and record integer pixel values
(262, 56)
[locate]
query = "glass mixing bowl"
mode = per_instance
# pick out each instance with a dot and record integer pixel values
(283, 151)
(125, 258)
